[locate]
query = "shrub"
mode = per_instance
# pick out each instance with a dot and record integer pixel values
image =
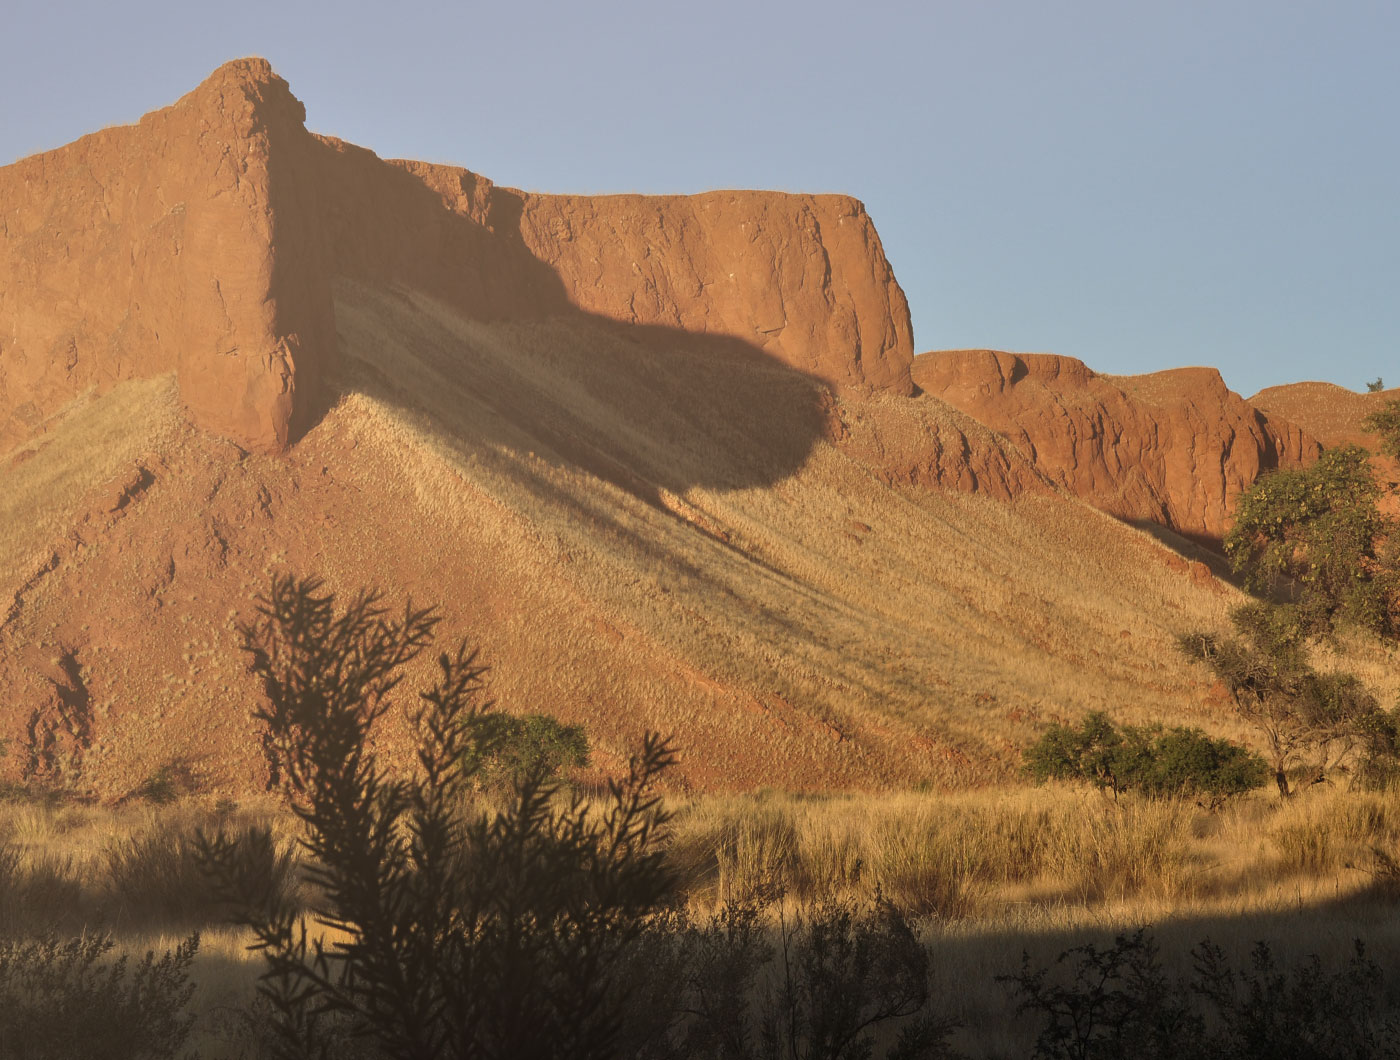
(1090, 753)
(166, 784)
(838, 973)
(1109, 1004)
(1188, 762)
(504, 749)
(845, 971)
(1117, 1003)
(60, 1000)
(1153, 761)
(464, 934)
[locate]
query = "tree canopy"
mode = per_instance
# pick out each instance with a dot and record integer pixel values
(1385, 421)
(1318, 532)
(1153, 761)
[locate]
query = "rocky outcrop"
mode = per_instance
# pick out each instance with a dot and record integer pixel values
(802, 277)
(1174, 448)
(929, 445)
(171, 245)
(205, 238)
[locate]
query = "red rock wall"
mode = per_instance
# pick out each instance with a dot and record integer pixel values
(204, 238)
(801, 277)
(1173, 447)
(157, 247)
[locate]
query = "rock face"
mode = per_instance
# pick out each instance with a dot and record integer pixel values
(205, 238)
(170, 245)
(1174, 448)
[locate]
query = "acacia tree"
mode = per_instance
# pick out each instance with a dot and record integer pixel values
(462, 934)
(1311, 722)
(1318, 532)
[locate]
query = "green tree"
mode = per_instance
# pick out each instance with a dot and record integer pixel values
(1375, 386)
(1157, 762)
(1188, 762)
(1318, 532)
(1091, 752)
(1311, 722)
(462, 934)
(504, 749)
(1385, 421)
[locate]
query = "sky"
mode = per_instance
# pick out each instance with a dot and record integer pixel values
(1140, 185)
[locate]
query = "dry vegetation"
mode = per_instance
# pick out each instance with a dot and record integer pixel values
(988, 874)
(86, 445)
(676, 542)
(791, 615)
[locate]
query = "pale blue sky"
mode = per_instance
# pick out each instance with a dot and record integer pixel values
(1139, 185)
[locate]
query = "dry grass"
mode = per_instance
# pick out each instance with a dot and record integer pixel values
(997, 872)
(1054, 856)
(754, 610)
(90, 442)
(131, 867)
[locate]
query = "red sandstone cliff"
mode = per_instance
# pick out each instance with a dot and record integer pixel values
(204, 240)
(169, 245)
(1173, 447)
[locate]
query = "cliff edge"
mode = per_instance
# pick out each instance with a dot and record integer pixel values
(205, 238)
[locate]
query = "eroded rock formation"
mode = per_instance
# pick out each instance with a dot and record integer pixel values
(204, 240)
(174, 244)
(1174, 448)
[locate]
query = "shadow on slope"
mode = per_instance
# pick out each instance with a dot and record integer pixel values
(502, 353)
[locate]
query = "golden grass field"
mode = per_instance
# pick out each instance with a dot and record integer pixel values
(989, 874)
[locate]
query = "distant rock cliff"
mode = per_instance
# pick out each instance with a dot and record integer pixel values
(204, 240)
(1173, 447)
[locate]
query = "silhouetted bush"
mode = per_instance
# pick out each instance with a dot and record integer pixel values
(1153, 761)
(821, 987)
(464, 934)
(61, 1001)
(1106, 1004)
(1117, 1003)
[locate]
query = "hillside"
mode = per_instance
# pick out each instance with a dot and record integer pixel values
(661, 458)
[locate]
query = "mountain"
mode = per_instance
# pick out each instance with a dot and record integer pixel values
(668, 461)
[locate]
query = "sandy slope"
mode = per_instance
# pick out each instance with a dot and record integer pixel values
(638, 534)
